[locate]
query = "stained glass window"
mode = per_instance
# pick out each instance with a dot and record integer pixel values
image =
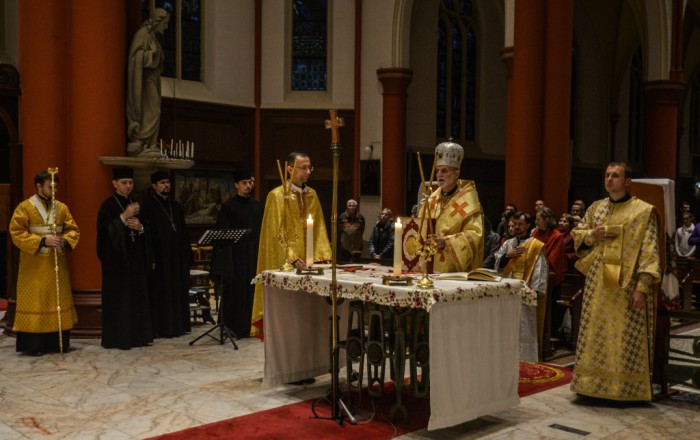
(182, 57)
(309, 45)
(456, 75)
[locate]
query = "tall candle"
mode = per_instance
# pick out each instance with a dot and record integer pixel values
(398, 260)
(187, 150)
(309, 241)
(161, 147)
(192, 151)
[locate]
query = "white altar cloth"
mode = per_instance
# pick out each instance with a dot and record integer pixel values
(474, 334)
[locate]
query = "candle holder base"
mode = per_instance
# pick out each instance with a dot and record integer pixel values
(425, 282)
(391, 280)
(287, 267)
(310, 271)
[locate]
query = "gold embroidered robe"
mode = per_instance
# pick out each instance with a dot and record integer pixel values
(279, 226)
(615, 343)
(36, 280)
(460, 221)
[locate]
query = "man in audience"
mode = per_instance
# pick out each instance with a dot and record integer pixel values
(456, 213)
(539, 204)
(618, 249)
(505, 217)
(381, 242)
(683, 247)
(351, 225)
(522, 257)
(578, 208)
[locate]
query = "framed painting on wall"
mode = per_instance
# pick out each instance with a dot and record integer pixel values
(201, 193)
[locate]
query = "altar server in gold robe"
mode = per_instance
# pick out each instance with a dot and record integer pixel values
(457, 215)
(283, 235)
(617, 245)
(36, 317)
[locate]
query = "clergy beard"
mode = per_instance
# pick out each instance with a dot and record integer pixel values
(164, 194)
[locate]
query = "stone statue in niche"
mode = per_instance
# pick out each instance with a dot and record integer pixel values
(143, 86)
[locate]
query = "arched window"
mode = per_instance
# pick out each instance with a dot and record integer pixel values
(694, 122)
(635, 136)
(309, 44)
(456, 76)
(182, 41)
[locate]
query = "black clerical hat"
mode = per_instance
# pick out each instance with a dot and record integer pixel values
(123, 173)
(239, 175)
(159, 175)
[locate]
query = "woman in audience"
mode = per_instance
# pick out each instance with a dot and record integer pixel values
(548, 233)
(566, 224)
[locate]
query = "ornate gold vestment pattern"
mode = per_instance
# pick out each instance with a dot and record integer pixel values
(615, 343)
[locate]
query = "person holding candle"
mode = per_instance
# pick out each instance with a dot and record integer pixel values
(457, 218)
(285, 228)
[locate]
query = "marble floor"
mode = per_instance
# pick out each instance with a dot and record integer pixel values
(93, 393)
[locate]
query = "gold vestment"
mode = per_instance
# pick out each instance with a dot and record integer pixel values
(280, 226)
(459, 220)
(521, 268)
(36, 280)
(615, 343)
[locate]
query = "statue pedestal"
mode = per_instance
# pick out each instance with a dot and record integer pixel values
(145, 166)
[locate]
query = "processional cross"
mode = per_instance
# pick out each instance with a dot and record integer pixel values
(333, 123)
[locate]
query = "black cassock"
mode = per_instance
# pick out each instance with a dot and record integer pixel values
(236, 265)
(169, 283)
(126, 316)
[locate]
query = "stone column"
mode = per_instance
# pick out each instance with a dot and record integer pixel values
(556, 170)
(395, 83)
(524, 152)
(661, 99)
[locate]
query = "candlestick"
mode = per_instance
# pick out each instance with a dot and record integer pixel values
(309, 241)
(398, 260)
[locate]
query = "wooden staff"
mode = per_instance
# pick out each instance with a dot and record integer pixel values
(53, 172)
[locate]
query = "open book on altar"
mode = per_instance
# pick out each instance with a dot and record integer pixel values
(480, 274)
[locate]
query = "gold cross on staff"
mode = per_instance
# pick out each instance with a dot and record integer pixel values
(333, 123)
(53, 171)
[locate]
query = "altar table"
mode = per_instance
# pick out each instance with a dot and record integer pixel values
(473, 334)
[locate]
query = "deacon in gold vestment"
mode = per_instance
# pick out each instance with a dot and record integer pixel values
(284, 221)
(456, 211)
(618, 251)
(36, 316)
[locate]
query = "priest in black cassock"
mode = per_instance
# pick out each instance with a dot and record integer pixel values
(169, 278)
(122, 248)
(235, 266)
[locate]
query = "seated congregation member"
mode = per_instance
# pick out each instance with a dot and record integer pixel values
(522, 257)
(502, 227)
(578, 208)
(381, 242)
(548, 233)
(683, 248)
(492, 241)
(457, 213)
(566, 224)
(351, 225)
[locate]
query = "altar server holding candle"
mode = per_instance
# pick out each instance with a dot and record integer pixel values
(457, 213)
(289, 210)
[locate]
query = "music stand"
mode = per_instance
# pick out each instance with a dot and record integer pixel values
(220, 239)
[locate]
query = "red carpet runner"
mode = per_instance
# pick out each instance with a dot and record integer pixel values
(295, 421)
